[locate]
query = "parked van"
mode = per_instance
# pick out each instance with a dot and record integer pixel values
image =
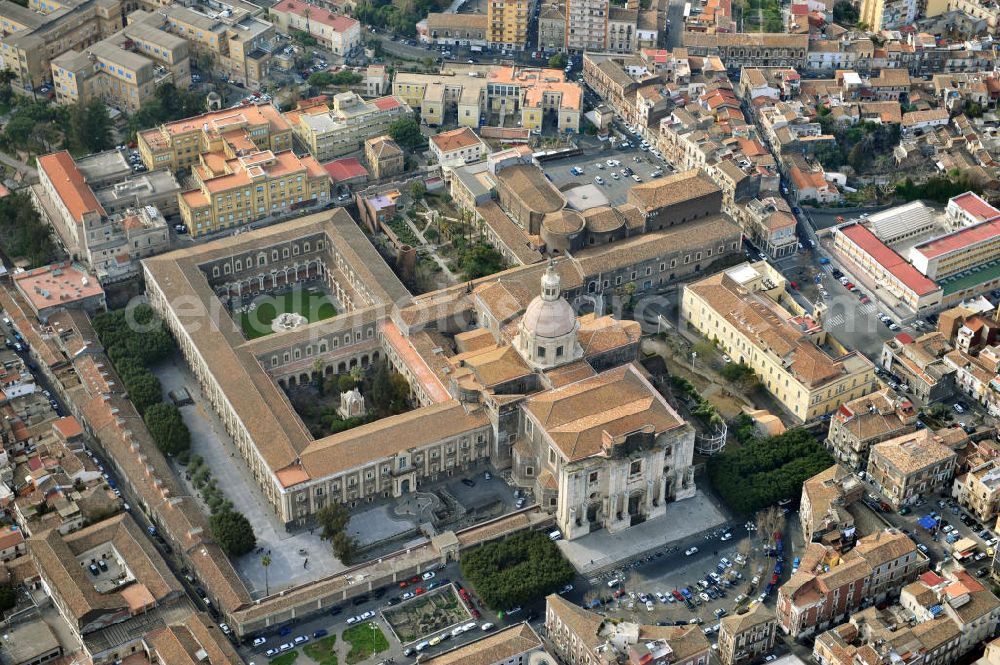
(555, 535)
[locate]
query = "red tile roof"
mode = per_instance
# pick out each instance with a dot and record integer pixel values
(975, 206)
(338, 22)
(387, 103)
(69, 184)
(345, 169)
(970, 235)
(888, 259)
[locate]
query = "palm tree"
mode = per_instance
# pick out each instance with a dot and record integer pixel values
(306, 13)
(266, 562)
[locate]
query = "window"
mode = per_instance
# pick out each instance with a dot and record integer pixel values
(592, 478)
(635, 467)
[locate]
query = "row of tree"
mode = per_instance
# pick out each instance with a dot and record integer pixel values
(23, 235)
(766, 470)
(515, 571)
(332, 520)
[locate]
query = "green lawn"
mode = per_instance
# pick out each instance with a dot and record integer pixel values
(321, 651)
(366, 640)
(310, 303)
(285, 658)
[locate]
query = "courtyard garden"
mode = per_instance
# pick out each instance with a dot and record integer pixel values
(322, 651)
(311, 302)
(366, 640)
(426, 614)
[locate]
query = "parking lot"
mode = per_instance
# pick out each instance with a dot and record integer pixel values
(642, 163)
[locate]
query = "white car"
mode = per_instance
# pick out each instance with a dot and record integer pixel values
(487, 626)
(615, 176)
(662, 597)
(726, 536)
(613, 583)
(259, 640)
(469, 626)
(610, 162)
(427, 576)
(301, 639)
(650, 605)
(704, 596)
(599, 165)
(599, 180)
(690, 551)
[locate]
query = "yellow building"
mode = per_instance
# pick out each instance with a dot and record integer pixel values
(234, 132)
(747, 311)
(29, 43)
(531, 94)
(507, 23)
(125, 69)
(331, 132)
(236, 191)
(237, 42)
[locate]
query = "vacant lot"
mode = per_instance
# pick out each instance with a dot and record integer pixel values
(366, 640)
(310, 302)
(427, 614)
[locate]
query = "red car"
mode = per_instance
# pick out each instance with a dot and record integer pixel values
(864, 300)
(849, 286)
(414, 579)
(404, 584)
(618, 593)
(475, 613)
(419, 590)
(677, 594)
(774, 579)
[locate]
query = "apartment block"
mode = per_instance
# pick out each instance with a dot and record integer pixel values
(336, 32)
(881, 15)
(739, 50)
(33, 37)
(920, 364)
(458, 147)
(747, 311)
(911, 466)
(457, 29)
(746, 638)
(860, 423)
(552, 27)
(235, 131)
(622, 34)
(831, 585)
(507, 23)
(238, 42)
(978, 491)
(233, 192)
(824, 510)
(125, 69)
(331, 132)
(587, 25)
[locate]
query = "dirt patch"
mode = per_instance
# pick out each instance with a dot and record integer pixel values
(426, 614)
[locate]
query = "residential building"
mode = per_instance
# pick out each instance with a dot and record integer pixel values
(881, 15)
(748, 636)
(969, 209)
(738, 49)
(811, 185)
(507, 23)
(978, 491)
(920, 365)
(124, 69)
(385, 158)
(180, 144)
(453, 29)
(343, 128)
(749, 314)
(335, 32)
(33, 37)
(233, 192)
(238, 42)
(770, 225)
(552, 27)
(53, 288)
(829, 586)
(824, 510)
(377, 81)
(517, 645)
(457, 147)
(910, 467)
(860, 423)
(622, 35)
(587, 25)
(580, 637)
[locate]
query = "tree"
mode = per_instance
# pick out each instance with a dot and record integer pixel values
(418, 190)
(266, 562)
(8, 597)
(332, 519)
(233, 533)
(90, 126)
(346, 383)
(741, 375)
(858, 158)
(480, 260)
(167, 428)
(344, 546)
(558, 61)
(23, 235)
(766, 470)
(406, 133)
(845, 13)
(516, 571)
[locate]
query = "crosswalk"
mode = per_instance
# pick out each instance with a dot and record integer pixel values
(835, 321)
(867, 308)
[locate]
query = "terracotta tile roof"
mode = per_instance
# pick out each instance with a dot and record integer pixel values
(68, 182)
(456, 139)
(579, 417)
(501, 646)
(671, 189)
(528, 183)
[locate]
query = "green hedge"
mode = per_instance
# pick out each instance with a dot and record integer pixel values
(517, 570)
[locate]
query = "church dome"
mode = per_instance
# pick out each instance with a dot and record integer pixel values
(549, 315)
(549, 318)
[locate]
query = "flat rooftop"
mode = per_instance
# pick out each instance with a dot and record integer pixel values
(56, 284)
